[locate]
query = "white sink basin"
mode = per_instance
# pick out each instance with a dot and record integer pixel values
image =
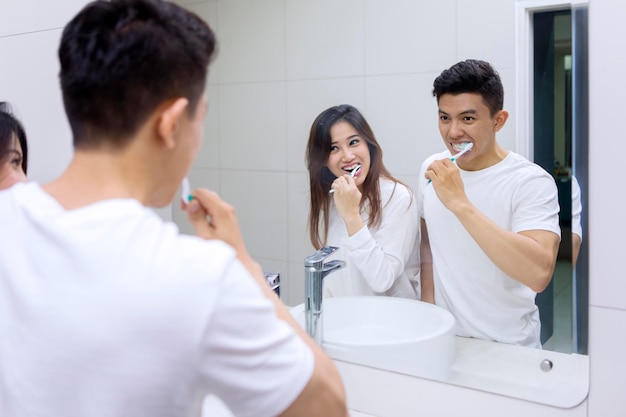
(395, 334)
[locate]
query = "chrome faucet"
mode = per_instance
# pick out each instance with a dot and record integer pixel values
(314, 272)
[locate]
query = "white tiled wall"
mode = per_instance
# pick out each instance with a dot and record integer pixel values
(325, 38)
(282, 62)
(607, 325)
(404, 37)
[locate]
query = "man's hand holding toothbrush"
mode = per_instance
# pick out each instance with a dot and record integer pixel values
(213, 218)
(446, 179)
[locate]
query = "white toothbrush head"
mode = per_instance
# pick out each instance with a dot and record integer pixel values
(355, 170)
(185, 191)
(352, 174)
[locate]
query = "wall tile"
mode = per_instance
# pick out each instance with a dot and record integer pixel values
(252, 40)
(209, 154)
(412, 181)
(403, 36)
(29, 81)
(260, 199)
(164, 213)
(25, 16)
(607, 336)
(486, 30)
(325, 38)
(403, 115)
(306, 100)
(296, 283)
(253, 126)
(299, 243)
(207, 10)
(608, 367)
(606, 196)
(506, 136)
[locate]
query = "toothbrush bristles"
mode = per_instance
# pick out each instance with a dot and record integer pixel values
(352, 174)
(185, 192)
(466, 148)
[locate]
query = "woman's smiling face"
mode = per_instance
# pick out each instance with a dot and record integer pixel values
(348, 150)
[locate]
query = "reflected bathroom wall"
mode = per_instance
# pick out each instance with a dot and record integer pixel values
(282, 62)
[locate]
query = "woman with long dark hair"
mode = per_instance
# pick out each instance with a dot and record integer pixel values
(357, 205)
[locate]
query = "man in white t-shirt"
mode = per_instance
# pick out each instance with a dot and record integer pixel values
(105, 310)
(490, 226)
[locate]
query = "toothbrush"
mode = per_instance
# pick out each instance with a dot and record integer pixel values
(352, 174)
(467, 147)
(185, 192)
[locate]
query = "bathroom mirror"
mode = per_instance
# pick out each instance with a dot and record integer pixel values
(281, 63)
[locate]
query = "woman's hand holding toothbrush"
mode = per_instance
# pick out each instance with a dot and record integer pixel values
(347, 198)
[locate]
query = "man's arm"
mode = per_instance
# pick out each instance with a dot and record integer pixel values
(576, 242)
(426, 266)
(528, 257)
(324, 394)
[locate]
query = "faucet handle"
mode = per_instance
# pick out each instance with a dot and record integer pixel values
(318, 257)
(273, 280)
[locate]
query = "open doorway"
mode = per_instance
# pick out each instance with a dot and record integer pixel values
(558, 101)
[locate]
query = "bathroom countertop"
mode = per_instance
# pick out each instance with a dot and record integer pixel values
(515, 371)
(485, 377)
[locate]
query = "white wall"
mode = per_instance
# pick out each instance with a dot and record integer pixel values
(284, 61)
(607, 200)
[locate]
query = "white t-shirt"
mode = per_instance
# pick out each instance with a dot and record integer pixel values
(517, 195)
(107, 311)
(382, 260)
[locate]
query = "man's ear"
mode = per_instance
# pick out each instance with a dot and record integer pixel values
(501, 117)
(169, 120)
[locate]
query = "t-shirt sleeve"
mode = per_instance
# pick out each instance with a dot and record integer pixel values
(253, 361)
(536, 204)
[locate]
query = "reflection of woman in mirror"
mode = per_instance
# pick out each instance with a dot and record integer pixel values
(490, 219)
(13, 148)
(369, 215)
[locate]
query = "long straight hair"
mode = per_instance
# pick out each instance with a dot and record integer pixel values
(320, 177)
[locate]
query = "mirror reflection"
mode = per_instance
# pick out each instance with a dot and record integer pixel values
(279, 79)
